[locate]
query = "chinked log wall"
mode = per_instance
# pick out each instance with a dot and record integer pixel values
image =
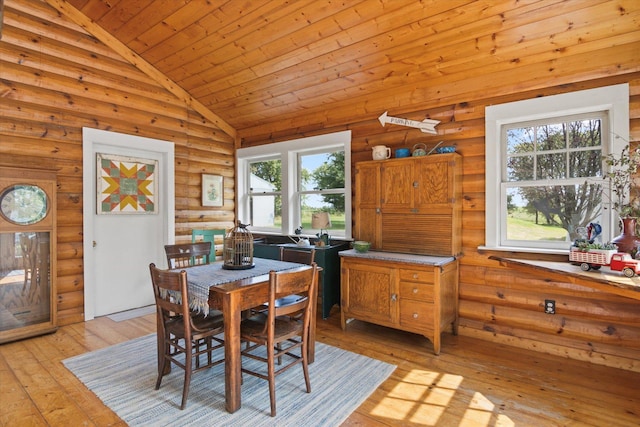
(52, 96)
(56, 79)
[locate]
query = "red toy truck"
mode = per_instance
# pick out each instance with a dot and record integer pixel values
(595, 258)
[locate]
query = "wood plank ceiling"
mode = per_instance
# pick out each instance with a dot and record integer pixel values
(268, 66)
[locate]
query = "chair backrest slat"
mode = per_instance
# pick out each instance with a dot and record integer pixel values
(301, 256)
(188, 254)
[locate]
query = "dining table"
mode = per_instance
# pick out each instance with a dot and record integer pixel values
(232, 291)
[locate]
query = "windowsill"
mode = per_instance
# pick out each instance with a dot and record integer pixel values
(308, 236)
(603, 280)
(515, 249)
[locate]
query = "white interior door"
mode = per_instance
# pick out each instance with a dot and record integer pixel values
(119, 247)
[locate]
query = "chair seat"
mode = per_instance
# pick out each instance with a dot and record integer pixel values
(203, 323)
(280, 302)
(214, 313)
(285, 326)
(289, 299)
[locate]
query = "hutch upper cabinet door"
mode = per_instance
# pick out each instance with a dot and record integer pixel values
(367, 204)
(27, 253)
(397, 183)
(410, 205)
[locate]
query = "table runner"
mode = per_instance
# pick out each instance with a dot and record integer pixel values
(201, 277)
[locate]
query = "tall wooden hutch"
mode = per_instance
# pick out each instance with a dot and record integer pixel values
(410, 210)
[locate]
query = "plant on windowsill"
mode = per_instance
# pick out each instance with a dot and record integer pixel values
(622, 176)
(624, 182)
(585, 246)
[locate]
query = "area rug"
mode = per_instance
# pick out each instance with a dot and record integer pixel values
(123, 376)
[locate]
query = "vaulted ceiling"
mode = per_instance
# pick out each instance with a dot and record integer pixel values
(264, 66)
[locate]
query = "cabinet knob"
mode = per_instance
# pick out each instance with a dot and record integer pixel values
(415, 275)
(415, 315)
(415, 184)
(415, 290)
(394, 297)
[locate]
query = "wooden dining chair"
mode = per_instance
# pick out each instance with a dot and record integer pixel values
(188, 254)
(283, 330)
(180, 331)
(289, 255)
(208, 235)
(299, 256)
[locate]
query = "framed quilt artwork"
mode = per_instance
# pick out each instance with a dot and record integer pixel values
(212, 190)
(126, 185)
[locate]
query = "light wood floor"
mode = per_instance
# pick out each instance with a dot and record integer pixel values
(471, 383)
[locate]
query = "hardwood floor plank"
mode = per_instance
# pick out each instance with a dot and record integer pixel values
(16, 404)
(51, 358)
(471, 383)
(512, 379)
(54, 405)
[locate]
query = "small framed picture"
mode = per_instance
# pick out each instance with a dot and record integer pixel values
(212, 190)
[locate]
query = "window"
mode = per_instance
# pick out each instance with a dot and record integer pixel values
(265, 195)
(281, 185)
(544, 168)
(321, 187)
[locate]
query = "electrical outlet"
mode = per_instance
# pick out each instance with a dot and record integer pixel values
(550, 306)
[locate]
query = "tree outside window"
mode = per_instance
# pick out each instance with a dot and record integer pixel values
(291, 180)
(322, 189)
(552, 178)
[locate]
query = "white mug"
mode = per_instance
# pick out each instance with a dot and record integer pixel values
(381, 152)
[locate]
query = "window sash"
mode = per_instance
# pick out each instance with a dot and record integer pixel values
(288, 152)
(612, 100)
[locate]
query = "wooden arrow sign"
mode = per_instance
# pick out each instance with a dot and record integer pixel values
(426, 126)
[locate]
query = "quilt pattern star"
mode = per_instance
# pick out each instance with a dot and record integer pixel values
(126, 185)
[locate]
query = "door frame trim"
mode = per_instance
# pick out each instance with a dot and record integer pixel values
(90, 137)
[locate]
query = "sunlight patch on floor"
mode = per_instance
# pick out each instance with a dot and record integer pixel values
(422, 397)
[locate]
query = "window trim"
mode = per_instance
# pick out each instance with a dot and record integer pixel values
(612, 99)
(287, 152)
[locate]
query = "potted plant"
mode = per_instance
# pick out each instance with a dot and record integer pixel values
(625, 192)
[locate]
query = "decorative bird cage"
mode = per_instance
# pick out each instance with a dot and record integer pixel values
(238, 249)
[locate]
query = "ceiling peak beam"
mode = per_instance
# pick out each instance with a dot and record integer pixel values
(136, 60)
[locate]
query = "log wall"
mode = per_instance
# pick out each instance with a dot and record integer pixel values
(55, 79)
(497, 303)
(504, 305)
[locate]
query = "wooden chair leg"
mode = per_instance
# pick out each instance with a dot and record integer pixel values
(272, 379)
(162, 359)
(305, 366)
(279, 347)
(161, 372)
(197, 355)
(188, 360)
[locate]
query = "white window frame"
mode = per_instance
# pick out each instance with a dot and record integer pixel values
(287, 152)
(614, 100)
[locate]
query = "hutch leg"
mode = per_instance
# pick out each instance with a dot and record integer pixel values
(436, 344)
